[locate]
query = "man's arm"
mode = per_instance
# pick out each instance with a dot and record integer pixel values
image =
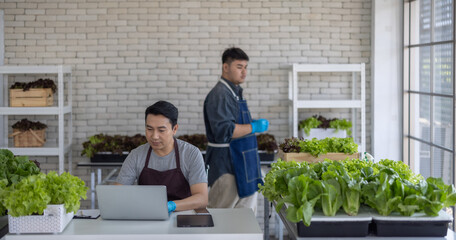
(241, 130)
(198, 199)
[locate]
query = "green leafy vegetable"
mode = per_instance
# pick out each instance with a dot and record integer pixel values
(308, 124)
(387, 186)
(317, 147)
(341, 124)
(322, 122)
(32, 194)
(12, 170)
(197, 140)
(304, 192)
(267, 142)
(378, 194)
(115, 144)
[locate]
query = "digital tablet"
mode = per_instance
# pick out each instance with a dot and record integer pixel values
(195, 221)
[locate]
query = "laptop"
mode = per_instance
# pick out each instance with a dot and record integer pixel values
(132, 202)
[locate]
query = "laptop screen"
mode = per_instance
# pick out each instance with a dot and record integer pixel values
(132, 202)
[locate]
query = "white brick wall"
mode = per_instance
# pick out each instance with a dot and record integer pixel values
(127, 55)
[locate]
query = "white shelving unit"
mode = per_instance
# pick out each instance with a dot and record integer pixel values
(63, 147)
(296, 104)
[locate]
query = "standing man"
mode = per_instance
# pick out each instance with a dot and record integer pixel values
(165, 160)
(232, 153)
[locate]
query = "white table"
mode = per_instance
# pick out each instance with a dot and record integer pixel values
(238, 223)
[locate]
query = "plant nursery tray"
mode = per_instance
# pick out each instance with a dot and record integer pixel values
(307, 157)
(54, 220)
(109, 157)
(265, 156)
(3, 226)
(340, 225)
(322, 133)
(417, 225)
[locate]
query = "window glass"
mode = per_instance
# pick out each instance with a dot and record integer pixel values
(420, 21)
(420, 113)
(420, 69)
(443, 16)
(443, 121)
(443, 69)
(442, 166)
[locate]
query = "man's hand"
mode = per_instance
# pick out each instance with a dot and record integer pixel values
(259, 125)
(171, 206)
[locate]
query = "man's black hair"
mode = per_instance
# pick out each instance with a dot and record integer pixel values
(232, 54)
(166, 109)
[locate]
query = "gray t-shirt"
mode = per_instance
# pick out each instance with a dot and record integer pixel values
(191, 163)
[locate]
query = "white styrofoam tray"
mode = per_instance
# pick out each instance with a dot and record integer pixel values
(54, 220)
(416, 217)
(322, 133)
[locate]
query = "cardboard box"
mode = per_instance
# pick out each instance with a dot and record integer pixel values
(307, 157)
(35, 97)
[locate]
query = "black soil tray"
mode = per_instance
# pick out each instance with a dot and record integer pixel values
(418, 225)
(109, 157)
(340, 225)
(3, 225)
(265, 156)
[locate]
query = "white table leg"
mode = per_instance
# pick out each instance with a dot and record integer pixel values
(92, 189)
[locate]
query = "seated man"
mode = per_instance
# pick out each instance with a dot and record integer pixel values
(165, 160)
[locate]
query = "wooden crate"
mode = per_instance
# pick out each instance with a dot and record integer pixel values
(29, 138)
(306, 157)
(35, 97)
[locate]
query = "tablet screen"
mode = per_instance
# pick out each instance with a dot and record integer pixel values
(194, 221)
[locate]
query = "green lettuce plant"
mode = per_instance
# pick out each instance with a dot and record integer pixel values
(317, 147)
(12, 170)
(32, 194)
(322, 122)
(387, 186)
(308, 124)
(116, 144)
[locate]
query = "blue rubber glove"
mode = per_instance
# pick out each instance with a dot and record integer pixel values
(171, 206)
(259, 125)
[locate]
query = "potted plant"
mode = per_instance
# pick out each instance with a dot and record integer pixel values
(43, 203)
(28, 133)
(198, 140)
(12, 170)
(105, 148)
(38, 93)
(319, 127)
(267, 147)
(346, 196)
(314, 150)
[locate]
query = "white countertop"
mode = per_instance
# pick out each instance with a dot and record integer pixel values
(228, 224)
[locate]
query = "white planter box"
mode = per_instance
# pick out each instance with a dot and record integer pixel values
(321, 133)
(54, 220)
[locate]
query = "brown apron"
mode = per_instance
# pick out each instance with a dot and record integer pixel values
(176, 185)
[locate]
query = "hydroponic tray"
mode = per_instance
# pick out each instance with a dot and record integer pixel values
(109, 157)
(340, 225)
(417, 225)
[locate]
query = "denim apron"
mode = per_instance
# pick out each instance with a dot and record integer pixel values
(244, 154)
